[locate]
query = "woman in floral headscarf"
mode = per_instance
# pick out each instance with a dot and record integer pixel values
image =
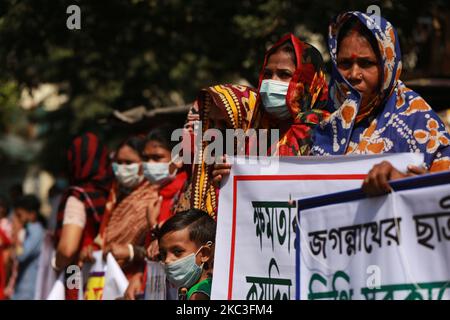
(373, 111)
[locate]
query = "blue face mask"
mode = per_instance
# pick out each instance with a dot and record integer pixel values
(184, 272)
(157, 172)
(273, 96)
(127, 174)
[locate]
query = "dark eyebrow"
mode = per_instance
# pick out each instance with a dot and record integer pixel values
(366, 59)
(284, 70)
(357, 58)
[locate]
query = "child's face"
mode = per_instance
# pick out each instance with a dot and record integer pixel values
(176, 245)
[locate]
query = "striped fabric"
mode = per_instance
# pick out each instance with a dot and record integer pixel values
(128, 221)
(90, 178)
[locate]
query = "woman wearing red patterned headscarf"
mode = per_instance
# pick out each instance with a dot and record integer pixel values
(293, 95)
(83, 203)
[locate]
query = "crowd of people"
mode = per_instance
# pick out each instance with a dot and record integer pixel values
(138, 203)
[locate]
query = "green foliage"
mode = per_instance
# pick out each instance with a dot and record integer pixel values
(9, 113)
(138, 52)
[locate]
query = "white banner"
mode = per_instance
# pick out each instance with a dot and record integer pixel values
(155, 287)
(58, 292)
(389, 247)
(96, 281)
(255, 233)
(46, 276)
(116, 283)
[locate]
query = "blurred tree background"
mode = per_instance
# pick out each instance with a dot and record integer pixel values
(56, 82)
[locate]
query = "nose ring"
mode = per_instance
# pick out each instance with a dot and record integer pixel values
(360, 76)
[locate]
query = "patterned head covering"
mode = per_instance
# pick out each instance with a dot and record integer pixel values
(90, 177)
(306, 98)
(237, 104)
(399, 121)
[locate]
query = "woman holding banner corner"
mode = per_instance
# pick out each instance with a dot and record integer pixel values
(372, 111)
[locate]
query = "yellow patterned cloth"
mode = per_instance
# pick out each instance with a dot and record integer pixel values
(236, 103)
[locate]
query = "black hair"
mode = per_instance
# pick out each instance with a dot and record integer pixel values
(163, 135)
(202, 228)
(31, 203)
(137, 143)
(286, 47)
(353, 23)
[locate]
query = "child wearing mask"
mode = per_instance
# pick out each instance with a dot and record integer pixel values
(186, 247)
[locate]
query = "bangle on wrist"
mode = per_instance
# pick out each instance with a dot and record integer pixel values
(154, 231)
(131, 250)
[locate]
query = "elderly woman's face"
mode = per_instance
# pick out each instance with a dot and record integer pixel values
(279, 67)
(358, 63)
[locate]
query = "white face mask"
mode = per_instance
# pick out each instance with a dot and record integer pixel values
(184, 272)
(127, 174)
(273, 96)
(158, 172)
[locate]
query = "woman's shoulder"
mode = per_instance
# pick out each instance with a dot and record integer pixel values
(74, 204)
(409, 103)
(410, 108)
